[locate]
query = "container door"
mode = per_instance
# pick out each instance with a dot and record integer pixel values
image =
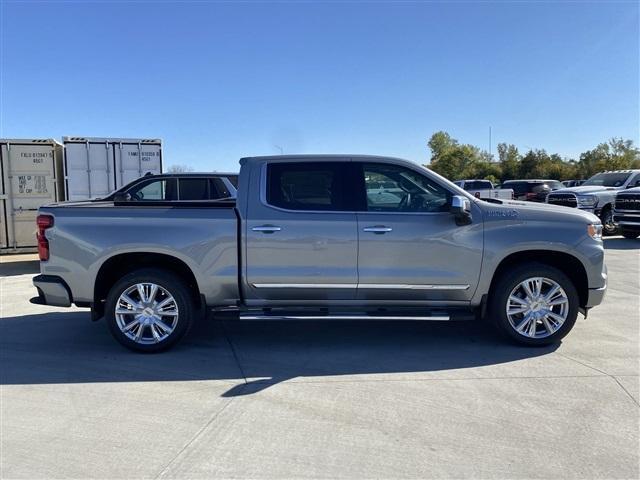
(89, 170)
(133, 160)
(30, 183)
(3, 197)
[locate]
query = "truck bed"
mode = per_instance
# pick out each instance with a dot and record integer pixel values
(202, 235)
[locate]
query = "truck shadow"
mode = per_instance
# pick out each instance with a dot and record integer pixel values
(20, 267)
(621, 243)
(65, 347)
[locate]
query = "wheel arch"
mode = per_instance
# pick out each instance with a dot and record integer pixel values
(568, 264)
(118, 265)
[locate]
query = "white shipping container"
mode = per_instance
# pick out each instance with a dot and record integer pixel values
(31, 176)
(94, 167)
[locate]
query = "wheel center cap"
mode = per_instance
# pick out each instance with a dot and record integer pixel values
(148, 312)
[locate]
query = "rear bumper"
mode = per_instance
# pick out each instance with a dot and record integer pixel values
(52, 291)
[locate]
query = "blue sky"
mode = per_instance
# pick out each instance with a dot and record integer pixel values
(221, 80)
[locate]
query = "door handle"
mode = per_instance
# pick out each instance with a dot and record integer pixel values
(267, 229)
(378, 229)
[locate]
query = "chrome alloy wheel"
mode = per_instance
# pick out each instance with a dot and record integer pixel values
(146, 313)
(537, 307)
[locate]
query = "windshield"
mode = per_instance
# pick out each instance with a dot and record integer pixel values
(607, 179)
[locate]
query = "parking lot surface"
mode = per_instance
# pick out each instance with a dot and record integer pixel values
(320, 399)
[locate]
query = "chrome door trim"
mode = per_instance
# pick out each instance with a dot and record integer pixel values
(401, 286)
(379, 286)
(304, 285)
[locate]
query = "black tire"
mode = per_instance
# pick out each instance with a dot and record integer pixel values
(630, 234)
(608, 225)
(171, 284)
(505, 285)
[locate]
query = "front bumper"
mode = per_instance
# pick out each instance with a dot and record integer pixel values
(596, 295)
(52, 290)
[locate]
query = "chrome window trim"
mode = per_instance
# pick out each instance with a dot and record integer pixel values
(263, 196)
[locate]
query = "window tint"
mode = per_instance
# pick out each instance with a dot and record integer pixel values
(234, 180)
(391, 188)
(194, 189)
(306, 186)
(219, 189)
(478, 185)
(164, 189)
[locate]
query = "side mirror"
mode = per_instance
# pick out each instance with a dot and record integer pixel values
(461, 209)
(122, 197)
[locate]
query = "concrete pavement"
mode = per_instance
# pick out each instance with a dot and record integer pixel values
(321, 400)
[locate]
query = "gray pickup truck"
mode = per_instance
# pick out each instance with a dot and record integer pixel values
(323, 237)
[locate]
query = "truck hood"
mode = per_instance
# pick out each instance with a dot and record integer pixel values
(536, 212)
(586, 190)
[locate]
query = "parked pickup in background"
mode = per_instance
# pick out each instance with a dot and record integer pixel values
(484, 189)
(532, 190)
(626, 213)
(323, 237)
(597, 195)
(177, 187)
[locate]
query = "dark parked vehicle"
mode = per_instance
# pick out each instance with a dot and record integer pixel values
(177, 186)
(532, 190)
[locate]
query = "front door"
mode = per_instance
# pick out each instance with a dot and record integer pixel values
(410, 248)
(301, 238)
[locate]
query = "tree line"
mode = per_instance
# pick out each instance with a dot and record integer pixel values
(458, 161)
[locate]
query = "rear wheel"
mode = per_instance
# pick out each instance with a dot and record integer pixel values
(535, 304)
(609, 227)
(149, 310)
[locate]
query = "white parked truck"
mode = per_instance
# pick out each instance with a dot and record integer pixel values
(484, 189)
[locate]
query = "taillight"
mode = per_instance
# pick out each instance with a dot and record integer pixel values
(531, 196)
(43, 222)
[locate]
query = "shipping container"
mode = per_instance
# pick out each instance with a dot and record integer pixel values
(94, 167)
(32, 176)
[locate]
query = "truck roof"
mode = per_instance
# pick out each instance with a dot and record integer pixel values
(316, 157)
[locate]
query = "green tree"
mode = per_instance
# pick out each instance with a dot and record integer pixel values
(616, 154)
(509, 159)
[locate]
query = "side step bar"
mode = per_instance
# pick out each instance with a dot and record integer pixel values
(297, 314)
(271, 316)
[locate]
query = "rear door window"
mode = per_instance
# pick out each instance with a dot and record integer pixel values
(307, 186)
(154, 190)
(194, 189)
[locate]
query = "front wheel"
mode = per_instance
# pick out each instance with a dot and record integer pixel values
(149, 310)
(609, 227)
(534, 304)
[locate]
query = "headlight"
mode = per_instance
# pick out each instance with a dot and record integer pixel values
(587, 200)
(595, 231)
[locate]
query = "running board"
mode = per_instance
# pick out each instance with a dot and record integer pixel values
(249, 316)
(408, 314)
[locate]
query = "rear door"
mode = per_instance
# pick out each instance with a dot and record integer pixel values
(301, 237)
(410, 248)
